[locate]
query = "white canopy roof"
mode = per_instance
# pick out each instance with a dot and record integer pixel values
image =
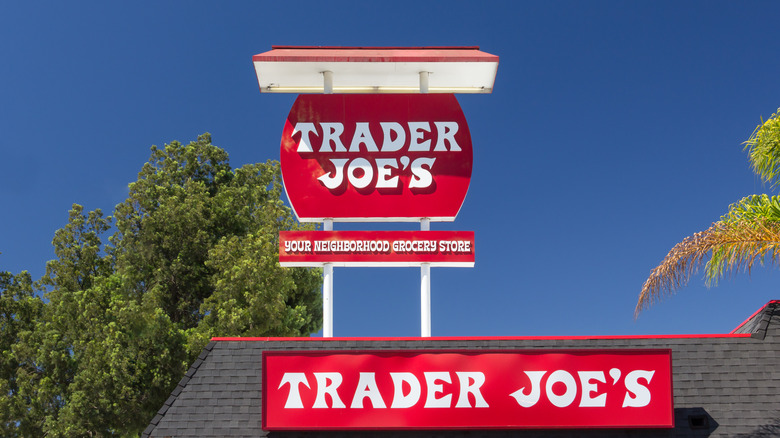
(288, 69)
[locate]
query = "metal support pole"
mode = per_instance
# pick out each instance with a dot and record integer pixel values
(327, 268)
(327, 291)
(424, 82)
(425, 289)
(327, 78)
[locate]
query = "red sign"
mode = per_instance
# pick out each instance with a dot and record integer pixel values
(376, 248)
(374, 157)
(467, 389)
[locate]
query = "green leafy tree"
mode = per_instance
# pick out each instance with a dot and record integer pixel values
(748, 233)
(252, 295)
(48, 354)
(200, 240)
(168, 224)
(194, 254)
(19, 310)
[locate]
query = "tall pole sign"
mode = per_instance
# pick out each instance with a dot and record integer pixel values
(376, 135)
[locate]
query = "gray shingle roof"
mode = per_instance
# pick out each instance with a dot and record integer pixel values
(724, 386)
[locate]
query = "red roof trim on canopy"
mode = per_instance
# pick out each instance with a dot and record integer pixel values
(378, 47)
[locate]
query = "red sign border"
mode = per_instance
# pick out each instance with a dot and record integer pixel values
(366, 214)
(454, 260)
(667, 351)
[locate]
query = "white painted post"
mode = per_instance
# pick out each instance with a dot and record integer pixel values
(424, 82)
(327, 268)
(425, 289)
(327, 291)
(327, 77)
(425, 268)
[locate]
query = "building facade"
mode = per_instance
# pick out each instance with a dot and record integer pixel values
(723, 385)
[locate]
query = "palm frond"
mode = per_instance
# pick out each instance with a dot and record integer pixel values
(749, 232)
(728, 245)
(763, 148)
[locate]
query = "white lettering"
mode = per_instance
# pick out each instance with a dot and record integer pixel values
(327, 384)
(446, 131)
(470, 383)
(367, 388)
(305, 129)
(568, 396)
(384, 170)
(294, 396)
(433, 388)
(641, 394)
(588, 388)
(399, 399)
(417, 131)
(393, 137)
(421, 177)
(534, 391)
(365, 173)
(331, 133)
(388, 144)
(295, 246)
(334, 182)
(362, 136)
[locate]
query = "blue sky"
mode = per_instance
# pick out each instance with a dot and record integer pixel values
(613, 132)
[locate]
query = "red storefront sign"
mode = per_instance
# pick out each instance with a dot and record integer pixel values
(375, 157)
(376, 248)
(504, 389)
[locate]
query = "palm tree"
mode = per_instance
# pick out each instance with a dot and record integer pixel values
(748, 233)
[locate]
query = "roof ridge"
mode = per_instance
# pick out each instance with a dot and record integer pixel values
(176, 391)
(756, 324)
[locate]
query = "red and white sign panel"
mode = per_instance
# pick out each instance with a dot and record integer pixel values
(467, 389)
(375, 157)
(376, 248)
